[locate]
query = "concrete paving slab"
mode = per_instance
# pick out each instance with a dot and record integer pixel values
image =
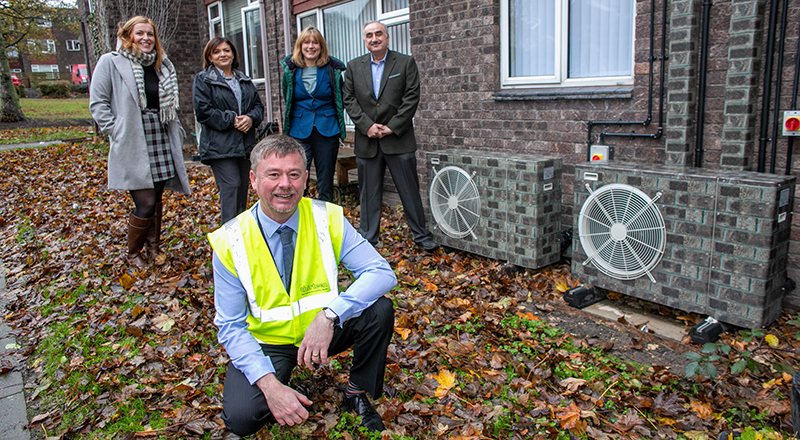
(657, 324)
(14, 418)
(10, 384)
(13, 411)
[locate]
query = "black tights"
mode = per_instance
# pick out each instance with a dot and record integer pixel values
(145, 200)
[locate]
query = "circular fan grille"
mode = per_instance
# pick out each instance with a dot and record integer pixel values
(622, 231)
(455, 202)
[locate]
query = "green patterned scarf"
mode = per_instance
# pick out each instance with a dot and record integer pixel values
(167, 87)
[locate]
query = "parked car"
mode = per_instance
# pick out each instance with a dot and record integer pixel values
(15, 80)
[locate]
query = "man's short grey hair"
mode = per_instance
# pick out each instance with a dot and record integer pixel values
(374, 22)
(280, 144)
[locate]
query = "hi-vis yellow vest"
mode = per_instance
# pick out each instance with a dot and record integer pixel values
(275, 316)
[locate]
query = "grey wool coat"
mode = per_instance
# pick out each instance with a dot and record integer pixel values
(114, 102)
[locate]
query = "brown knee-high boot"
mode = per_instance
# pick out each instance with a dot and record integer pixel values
(137, 232)
(153, 238)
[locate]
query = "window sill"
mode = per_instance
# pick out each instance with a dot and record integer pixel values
(560, 93)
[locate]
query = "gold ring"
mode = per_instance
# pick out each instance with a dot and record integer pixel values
(314, 355)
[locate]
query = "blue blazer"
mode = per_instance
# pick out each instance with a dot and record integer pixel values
(313, 109)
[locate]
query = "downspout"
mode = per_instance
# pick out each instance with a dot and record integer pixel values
(265, 55)
(779, 80)
(646, 122)
(793, 107)
(762, 140)
(701, 86)
(287, 44)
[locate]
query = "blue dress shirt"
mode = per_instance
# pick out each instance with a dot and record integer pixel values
(377, 73)
(374, 277)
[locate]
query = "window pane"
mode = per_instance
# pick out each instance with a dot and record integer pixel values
(217, 29)
(213, 11)
(309, 20)
(255, 56)
(532, 37)
(393, 5)
(343, 25)
(600, 38)
(399, 38)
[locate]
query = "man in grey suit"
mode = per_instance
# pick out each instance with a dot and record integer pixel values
(381, 94)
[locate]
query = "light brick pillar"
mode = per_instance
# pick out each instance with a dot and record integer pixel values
(741, 85)
(684, 37)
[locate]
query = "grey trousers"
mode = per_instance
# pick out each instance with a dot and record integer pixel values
(233, 180)
(403, 168)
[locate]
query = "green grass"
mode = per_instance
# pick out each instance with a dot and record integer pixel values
(43, 134)
(55, 109)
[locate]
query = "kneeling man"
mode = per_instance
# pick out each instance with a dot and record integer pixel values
(277, 299)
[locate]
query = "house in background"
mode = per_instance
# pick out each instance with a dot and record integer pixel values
(52, 57)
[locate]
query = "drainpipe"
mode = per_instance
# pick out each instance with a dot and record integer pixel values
(762, 140)
(793, 107)
(779, 81)
(286, 29)
(265, 55)
(701, 87)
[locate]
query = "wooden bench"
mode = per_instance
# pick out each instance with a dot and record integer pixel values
(344, 163)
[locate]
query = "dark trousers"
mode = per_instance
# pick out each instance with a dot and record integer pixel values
(244, 407)
(233, 180)
(323, 150)
(403, 168)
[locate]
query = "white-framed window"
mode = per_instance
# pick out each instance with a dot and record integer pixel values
(252, 55)
(44, 22)
(44, 68)
(341, 26)
(216, 24)
(73, 45)
(16, 70)
(50, 46)
(566, 43)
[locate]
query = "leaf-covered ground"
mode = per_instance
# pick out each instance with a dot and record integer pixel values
(113, 353)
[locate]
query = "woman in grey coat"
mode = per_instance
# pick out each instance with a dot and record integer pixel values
(134, 99)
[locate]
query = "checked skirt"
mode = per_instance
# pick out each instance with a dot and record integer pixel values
(158, 149)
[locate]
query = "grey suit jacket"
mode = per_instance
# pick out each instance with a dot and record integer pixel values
(395, 106)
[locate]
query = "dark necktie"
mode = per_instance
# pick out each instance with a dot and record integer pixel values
(288, 254)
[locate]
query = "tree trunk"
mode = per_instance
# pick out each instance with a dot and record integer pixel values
(10, 110)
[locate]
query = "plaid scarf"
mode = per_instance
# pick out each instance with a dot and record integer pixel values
(167, 87)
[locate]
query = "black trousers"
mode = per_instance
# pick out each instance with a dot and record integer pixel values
(403, 168)
(232, 176)
(244, 407)
(323, 150)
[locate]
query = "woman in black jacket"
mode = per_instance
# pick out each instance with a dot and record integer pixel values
(229, 109)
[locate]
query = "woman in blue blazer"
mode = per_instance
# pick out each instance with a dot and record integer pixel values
(312, 86)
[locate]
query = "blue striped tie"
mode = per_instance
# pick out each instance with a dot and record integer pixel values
(288, 254)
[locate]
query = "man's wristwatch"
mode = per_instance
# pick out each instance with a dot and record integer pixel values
(330, 314)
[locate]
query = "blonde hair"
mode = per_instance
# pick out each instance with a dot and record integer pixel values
(297, 55)
(125, 31)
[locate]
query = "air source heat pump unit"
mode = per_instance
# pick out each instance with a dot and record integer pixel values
(713, 242)
(501, 206)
